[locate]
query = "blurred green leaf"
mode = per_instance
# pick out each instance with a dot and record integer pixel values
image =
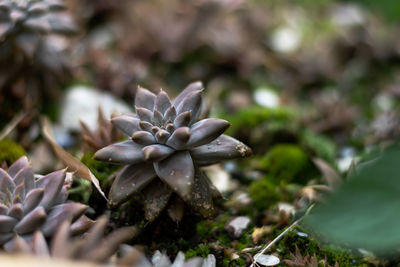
(390, 9)
(364, 212)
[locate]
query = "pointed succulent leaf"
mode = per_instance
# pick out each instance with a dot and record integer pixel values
(195, 86)
(61, 197)
(109, 245)
(16, 211)
(158, 118)
(33, 199)
(21, 163)
(27, 177)
(178, 172)
(156, 197)
(162, 136)
(182, 119)
(126, 152)
(128, 124)
(145, 126)
(19, 193)
(156, 152)
(170, 114)
(53, 183)
(31, 221)
(81, 225)
(39, 244)
(170, 127)
(222, 148)
(95, 234)
(17, 245)
(144, 114)
(162, 102)
(131, 179)
(144, 98)
(192, 102)
(60, 213)
(176, 209)
(155, 129)
(7, 223)
(3, 209)
(205, 131)
(179, 138)
(6, 182)
(201, 196)
(143, 138)
(59, 244)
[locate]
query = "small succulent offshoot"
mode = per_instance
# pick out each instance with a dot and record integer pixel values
(105, 135)
(28, 204)
(167, 146)
(92, 246)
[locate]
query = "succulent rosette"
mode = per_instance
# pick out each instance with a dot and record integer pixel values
(28, 204)
(167, 145)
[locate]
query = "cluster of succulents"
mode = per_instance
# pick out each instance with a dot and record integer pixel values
(131, 256)
(92, 246)
(167, 146)
(31, 65)
(28, 204)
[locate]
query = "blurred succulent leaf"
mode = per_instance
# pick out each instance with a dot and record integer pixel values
(363, 213)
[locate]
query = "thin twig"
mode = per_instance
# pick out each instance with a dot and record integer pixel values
(12, 124)
(279, 237)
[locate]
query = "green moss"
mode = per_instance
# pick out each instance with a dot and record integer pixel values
(308, 245)
(201, 250)
(10, 151)
(286, 163)
(320, 145)
(255, 115)
(80, 191)
(100, 169)
(264, 193)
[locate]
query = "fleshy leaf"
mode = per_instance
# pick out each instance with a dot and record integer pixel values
(144, 98)
(179, 138)
(31, 221)
(126, 152)
(157, 152)
(128, 124)
(131, 179)
(178, 172)
(143, 138)
(162, 102)
(205, 131)
(222, 148)
(192, 102)
(195, 86)
(156, 197)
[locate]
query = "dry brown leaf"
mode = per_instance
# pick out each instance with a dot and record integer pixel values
(72, 163)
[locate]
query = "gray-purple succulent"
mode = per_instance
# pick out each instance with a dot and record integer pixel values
(167, 141)
(92, 246)
(28, 204)
(132, 257)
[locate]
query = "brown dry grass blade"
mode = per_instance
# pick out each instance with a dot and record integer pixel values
(72, 163)
(12, 124)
